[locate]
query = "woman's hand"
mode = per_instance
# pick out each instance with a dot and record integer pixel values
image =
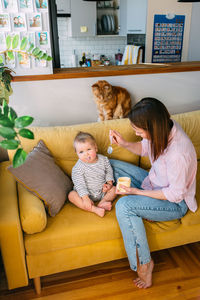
(117, 138)
(127, 190)
(157, 194)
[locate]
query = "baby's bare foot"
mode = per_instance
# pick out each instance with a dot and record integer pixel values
(145, 275)
(107, 205)
(98, 210)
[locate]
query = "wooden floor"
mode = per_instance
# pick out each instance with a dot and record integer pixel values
(176, 276)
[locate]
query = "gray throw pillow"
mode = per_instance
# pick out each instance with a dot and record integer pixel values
(44, 178)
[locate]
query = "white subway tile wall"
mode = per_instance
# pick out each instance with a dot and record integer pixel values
(102, 45)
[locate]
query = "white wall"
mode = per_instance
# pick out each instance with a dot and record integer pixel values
(194, 42)
(70, 101)
(166, 7)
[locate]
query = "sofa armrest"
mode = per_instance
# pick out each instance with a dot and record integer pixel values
(11, 236)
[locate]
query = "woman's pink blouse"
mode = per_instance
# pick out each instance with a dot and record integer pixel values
(174, 172)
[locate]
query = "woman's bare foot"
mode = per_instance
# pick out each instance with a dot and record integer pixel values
(98, 210)
(145, 275)
(107, 205)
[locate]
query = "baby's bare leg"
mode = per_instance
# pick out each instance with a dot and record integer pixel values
(78, 201)
(106, 202)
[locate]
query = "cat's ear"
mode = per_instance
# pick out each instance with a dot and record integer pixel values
(95, 85)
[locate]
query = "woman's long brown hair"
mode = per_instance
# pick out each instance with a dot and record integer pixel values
(151, 115)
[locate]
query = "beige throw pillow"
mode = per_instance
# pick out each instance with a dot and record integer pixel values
(44, 178)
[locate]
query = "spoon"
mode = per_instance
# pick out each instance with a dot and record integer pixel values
(110, 148)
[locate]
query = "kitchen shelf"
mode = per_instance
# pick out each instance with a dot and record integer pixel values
(149, 68)
(111, 7)
(107, 34)
(63, 15)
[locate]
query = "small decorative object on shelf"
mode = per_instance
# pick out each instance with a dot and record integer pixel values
(107, 4)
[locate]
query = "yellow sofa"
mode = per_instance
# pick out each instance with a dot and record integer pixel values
(75, 238)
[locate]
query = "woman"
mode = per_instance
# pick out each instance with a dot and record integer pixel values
(162, 194)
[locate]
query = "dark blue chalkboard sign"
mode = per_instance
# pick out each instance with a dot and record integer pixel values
(167, 38)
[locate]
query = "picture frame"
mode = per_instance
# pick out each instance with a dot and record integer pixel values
(10, 5)
(25, 5)
(12, 35)
(11, 63)
(41, 63)
(35, 22)
(18, 21)
(2, 41)
(43, 39)
(41, 4)
(4, 22)
(24, 60)
(29, 35)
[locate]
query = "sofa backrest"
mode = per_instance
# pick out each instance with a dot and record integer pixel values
(59, 140)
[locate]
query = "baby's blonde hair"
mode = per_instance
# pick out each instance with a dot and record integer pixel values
(83, 137)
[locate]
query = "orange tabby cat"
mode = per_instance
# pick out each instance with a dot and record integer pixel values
(113, 102)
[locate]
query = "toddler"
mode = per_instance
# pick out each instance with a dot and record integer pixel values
(92, 176)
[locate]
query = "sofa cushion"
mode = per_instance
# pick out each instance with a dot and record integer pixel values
(41, 176)
(73, 227)
(32, 211)
(190, 122)
(194, 218)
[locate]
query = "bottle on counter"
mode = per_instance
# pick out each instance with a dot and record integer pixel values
(82, 62)
(118, 58)
(88, 60)
(74, 62)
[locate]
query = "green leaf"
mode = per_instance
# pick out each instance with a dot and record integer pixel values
(1, 59)
(49, 58)
(15, 41)
(9, 144)
(8, 41)
(24, 43)
(2, 98)
(12, 115)
(4, 104)
(23, 121)
(5, 109)
(6, 122)
(44, 56)
(7, 132)
(40, 54)
(26, 133)
(36, 51)
(30, 48)
(19, 158)
(10, 55)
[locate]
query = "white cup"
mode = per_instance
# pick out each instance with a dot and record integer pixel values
(126, 181)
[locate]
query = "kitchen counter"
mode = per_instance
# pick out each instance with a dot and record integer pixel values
(103, 71)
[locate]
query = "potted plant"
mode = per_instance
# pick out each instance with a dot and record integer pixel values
(12, 126)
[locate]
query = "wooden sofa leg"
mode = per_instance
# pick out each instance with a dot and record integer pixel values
(37, 285)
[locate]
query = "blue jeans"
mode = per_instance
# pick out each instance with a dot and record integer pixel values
(131, 209)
